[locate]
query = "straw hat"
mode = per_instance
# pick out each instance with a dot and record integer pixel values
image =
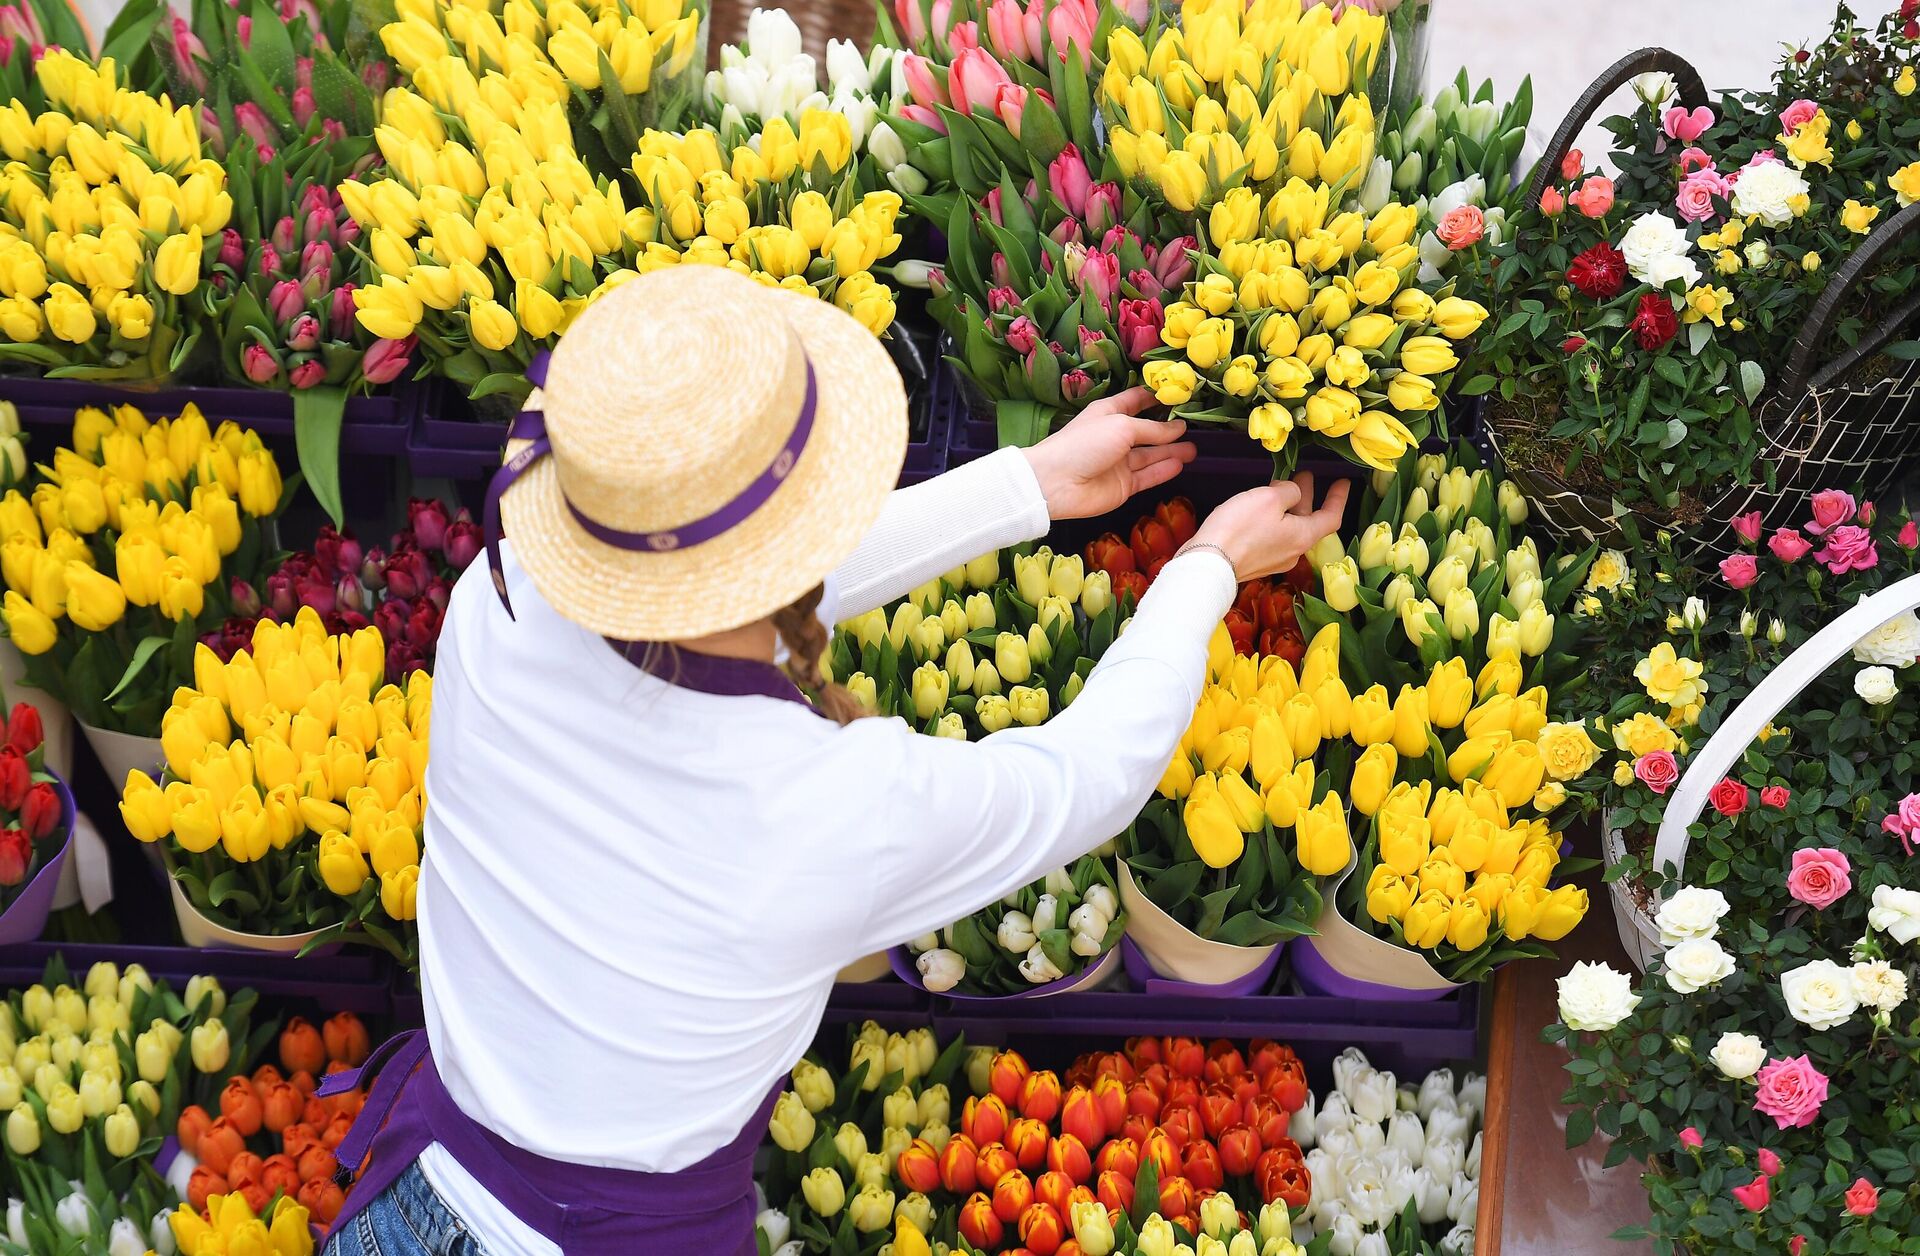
(675, 407)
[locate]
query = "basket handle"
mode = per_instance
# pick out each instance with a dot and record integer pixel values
(1768, 699)
(1686, 79)
(1835, 297)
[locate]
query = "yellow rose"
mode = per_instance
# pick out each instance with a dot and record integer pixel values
(1906, 184)
(1567, 750)
(1856, 217)
(1609, 571)
(1643, 734)
(1669, 678)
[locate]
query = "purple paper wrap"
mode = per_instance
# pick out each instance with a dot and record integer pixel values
(26, 917)
(1316, 976)
(1141, 976)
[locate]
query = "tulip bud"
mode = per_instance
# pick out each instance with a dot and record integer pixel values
(1016, 932)
(1535, 630)
(1340, 583)
(930, 690)
(1461, 614)
(23, 1130)
(206, 989)
(825, 1193)
(1512, 504)
(941, 970)
(210, 1047)
(792, 1124)
(122, 1132)
(993, 711)
(1376, 546)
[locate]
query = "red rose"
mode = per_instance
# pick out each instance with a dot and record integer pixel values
(1863, 1198)
(1775, 796)
(1654, 321)
(1600, 272)
(1729, 797)
(1573, 344)
(16, 853)
(23, 729)
(40, 812)
(15, 779)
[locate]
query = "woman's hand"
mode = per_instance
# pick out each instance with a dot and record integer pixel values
(1106, 455)
(1264, 531)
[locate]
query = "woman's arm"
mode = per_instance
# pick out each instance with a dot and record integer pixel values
(1090, 466)
(965, 823)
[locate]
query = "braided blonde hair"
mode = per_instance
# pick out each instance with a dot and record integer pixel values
(806, 640)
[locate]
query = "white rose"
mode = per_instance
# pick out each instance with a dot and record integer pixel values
(1896, 913)
(1820, 994)
(1662, 271)
(1692, 912)
(1597, 997)
(1696, 964)
(1758, 254)
(1879, 985)
(1876, 685)
(1738, 1056)
(1652, 236)
(1764, 191)
(1895, 643)
(1653, 87)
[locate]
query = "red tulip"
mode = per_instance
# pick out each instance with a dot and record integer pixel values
(1288, 1086)
(958, 1161)
(1177, 1197)
(1130, 584)
(1056, 1190)
(16, 856)
(1137, 1129)
(1142, 1100)
(1183, 1125)
(984, 1120)
(1239, 1150)
(918, 1167)
(1224, 1060)
(1219, 1110)
(1281, 1177)
(1115, 1190)
(1067, 1154)
(1178, 517)
(1153, 545)
(994, 1163)
(24, 731)
(1184, 1056)
(1182, 1092)
(1008, 1073)
(1268, 1119)
(16, 778)
(1142, 1051)
(1080, 1118)
(1042, 1230)
(1040, 1095)
(1161, 1150)
(1201, 1165)
(1012, 1195)
(978, 1224)
(1027, 1140)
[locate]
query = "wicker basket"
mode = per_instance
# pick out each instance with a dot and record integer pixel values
(1831, 425)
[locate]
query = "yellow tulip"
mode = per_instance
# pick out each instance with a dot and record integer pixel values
(176, 264)
(398, 893)
(69, 314)
(95, 601)
(490, 324)
(1227, 752)
(1449, 694)
(1515, 773)
(1320, 831)
(1560, 911)
(1467, 924)
(1427, 355)
(1373, 775)
(144, 808)
(1405, 841)
(1210, 824)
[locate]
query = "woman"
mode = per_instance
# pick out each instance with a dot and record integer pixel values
(647, 862)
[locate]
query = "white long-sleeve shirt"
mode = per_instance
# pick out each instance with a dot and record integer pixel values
(636, 896)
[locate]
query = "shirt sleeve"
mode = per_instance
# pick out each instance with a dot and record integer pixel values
(969, 822)
(934, 527)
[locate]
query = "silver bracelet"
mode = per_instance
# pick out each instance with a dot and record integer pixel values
(1190, 546)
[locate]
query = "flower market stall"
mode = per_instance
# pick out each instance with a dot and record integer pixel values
(1614, 652)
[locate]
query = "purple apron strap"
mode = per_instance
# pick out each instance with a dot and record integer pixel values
(710, 673)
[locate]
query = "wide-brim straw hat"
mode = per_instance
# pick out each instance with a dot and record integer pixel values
(675, 408)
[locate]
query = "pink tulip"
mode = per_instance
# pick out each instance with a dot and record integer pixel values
(963, 36)
(1172, 266)
(924, 116)
(922, 83)
(1068, 179)
(995, 207)
(385, 361)
(233, 249)
(1679, 124)
(303, 106)
(285, 301)
(1022, 335)
(303, 73)
(1140, 324)
(1103, 206)
(1006, 31)
(188, 53)
(17, 21)
(1066, 231)
(333, 130)
(286, 235)
(1069, 29)
(1000, 271)
(1009, 105)
(317, 257)
(463, 546)
(304, 334)
(1003, 301)
(340, 313)
(377, 75)
(915, 24)
(212, 134)
(307, 374)
(259, 364)
(1747, 526)
(254, 122)
(975, 80)
(246, 32)
(1099, 279)
(1075, 384)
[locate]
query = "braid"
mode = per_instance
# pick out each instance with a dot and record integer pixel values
(806, 640)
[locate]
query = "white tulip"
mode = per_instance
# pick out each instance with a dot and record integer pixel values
(180, 1172)
(1405, 1135)
(124, 1239)
(926, 942)
(1471, 190)
(906, 181)
(1458, 1241)
(776, 1225)
(1434, 258)
(1302, 1126)
(1345, 1237)
(1104, 898)
(773, 36)
(1016, 932)
(1089, 919)
(1374, 1096)
(941, 970)
(1059, 883)
(889, 153)
(74, 1214)
(1037, 968)
(1473, 1094)
(1044, 913)
(1437, 1086)
(17, 1223)
(1473, 1159)
(1409, 1100)
(793, 1247)
(788, 87)
(160, 1233)
(1430, 1196)
(1368, 1138)
(1464, 1199)
(1346, 1064)
(1329, 1188)
(847, 69)
(1373, 1244)
(1338, 1141)
(1445, 1157)
(1447, 1121)
(732, 55)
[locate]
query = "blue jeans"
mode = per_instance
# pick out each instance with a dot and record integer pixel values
(407, 1219)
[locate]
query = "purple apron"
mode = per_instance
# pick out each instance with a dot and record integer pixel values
(704, 1210)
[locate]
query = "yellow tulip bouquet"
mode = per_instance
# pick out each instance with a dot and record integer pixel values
(491, 233)
(293, 789)
(94, 1074)
(622, 67)
(124, 553)
(1039, 631)
(230, 1224)
(110, 226)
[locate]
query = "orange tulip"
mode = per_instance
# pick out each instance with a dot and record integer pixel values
(265, 1076)
(1120, 1155)
(1219, 1111)
(918, 1167)
(336, 1131)
(957, 1165)
(1027, 1140)
(978, 1224)
(257, 1196)
(1200, 1163)
(1040, 1095)
(1041, 1230)
(243, 1168)
(322, 1198)
(316, 1162)
(283, 1107)
(1185, 1057)
(301, 1047)
(1183, 1125)
(346, 1040)
(303, 1082)
(984, 1120)
(1144, 1051)
(995, 1162)
(1012, 1195)
(279, 1173)
(1165, 1156)
(1177, 1197)
(1116, 1191)
(1239, 1150)
(240, 1106)
(193, 1122)
(1110, 1101)
(1067, 1154)
(297, 1137)
(1007, 1075)
(1056, 1189)
(1080, 1118)
(316, 1113)
(203, 1183)
(219, 1145)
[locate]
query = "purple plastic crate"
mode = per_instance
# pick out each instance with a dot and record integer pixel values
(473, 461)
(892, 1003)
(345, 982)
(376, 424)
(927, 456)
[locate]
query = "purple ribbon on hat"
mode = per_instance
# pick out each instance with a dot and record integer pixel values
(531, 425)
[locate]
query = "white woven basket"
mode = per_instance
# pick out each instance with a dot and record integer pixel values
(1736, 732)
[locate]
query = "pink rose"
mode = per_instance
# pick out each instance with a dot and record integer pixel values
(1740, 570)
(1755, 1195)
(1594, 198)
(1697, 193)
(1820, 877)
(1849, 548)
(1790, 1091)
(1768, 1161)
(1863, 1198)
(1686, 127)
(1572, 164)
(1797, 114)
(1788, 545)
(1765, 157)
(1690, 1137)
(1747, 526)
(1909, 537)
(1657, 770)
(1831, 508)
(1729, 797)
(1796, 1245)
(1904, 823)
(1552, 202)
(1692, 159)
(1462, 228)
(1867, 512)
(1775, 796)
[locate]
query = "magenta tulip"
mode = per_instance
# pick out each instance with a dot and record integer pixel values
(246, 32)
(340, 318)
(1069, 180)
(303, 106)
(233, 249)
(463, 546)
(427, 518)
(259, 363)
(1022, 335)
(1140, 323)
(1099, 279)
(286, 236)
(385, 361)
(246, 602)
(307, 374)
(1103, 206)
(304, 334)
(254, 122)
(286, 301)
(188, 53)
